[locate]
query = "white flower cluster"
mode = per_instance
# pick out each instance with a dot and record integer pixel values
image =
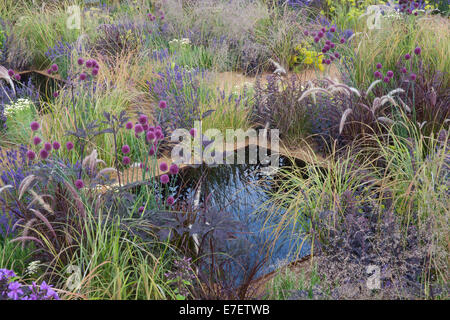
(20, 105)
(184, 41)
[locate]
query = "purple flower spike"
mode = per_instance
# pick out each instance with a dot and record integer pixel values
(78, 184)
(163, 166)
(36, 140)
(125, 149)
(164, 179)
(34, 126)
(174, 169)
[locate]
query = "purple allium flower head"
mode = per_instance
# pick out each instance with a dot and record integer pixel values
(151, 152)
(193, 132)
(170, 200)
(332, 45)
(306, 32)
(413, 76)
(328, 42)
(31, 155)
(36, 140)
(78, 184)
(158, 134)
(174, 169)
(417, 51)
(141, 209)
(150, 136)
(56, 145)
(404, 70)
(50, 71)
(89, 63)
(164, 179)
(95, 71)
(320, 34)
(34, 125)
(138, 129)
(143, 119)
(332, 29)
(336, 54)
(342, 40)
(126, 160)
(83, 76)
(416, 13)
(316, 39)
(379, 66)
(390, 73)
(407, 56)
(17, 77)
(378, 74)
(69, 145)
(43, 154)
(10, 72)
(125, 149)
(48, 146)
(163, 104)
(386, 79)
(163, 166)
(328, 61)
(145, 126)
(80, 61)
(55, 94)
(129, 125)
(54, 67)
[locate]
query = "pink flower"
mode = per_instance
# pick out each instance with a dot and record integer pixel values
(125, 149)
(174, 169)
(56, 145)
(10, 72)
(143, 119)
(164, 179)
(126, 160)
(36, 140)
(43, 154)
(83, 76)
(163, 166)
(193, 132)
(170, 200)
(95, 71)
(69, 145)
(31, 155)
(48, 146)
(54, 67)
(55, 94)
(150, 136)
(163, 104)
(34, 126)
(138, 129)
(79, 184)
(151, 152)
(80, 61)
(129, 125)
(17, 77)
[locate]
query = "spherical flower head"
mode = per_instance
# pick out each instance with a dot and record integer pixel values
(328, 61)
(55, 94)
(378, 74)
(332, 29)
(95, 71)
(56, 145)
(31, 155)
(150, 136)
(306, 33)
(379, 66)
(89, 63)
(174, 169)
(320, 34)
(159, 135)
(43, 154)
(95, 64)
(138, 129)
(48, 146)
(83, 76)
(193, 132)
(386, 79)
(143, 119)
(170, 200)
(78, 184)
(126, 160)
(328, 42)
(407, 56)
(163, 166)
(151, 152)
(164, 179)
(162, 104)
(50, 71)
(34, 126)
(145, 127)
(36, 140)
(390, 73)
(69, 145)
(126, 149)
(10, 72)
(332, 45)
(342, 41)
(17, 77)
(417, 51)
(416, 13)
(403, 70)
(80, 61)
(316, 39)
(141, 209)
(336, 54)
(129, 125)
(54, 67)
(413, 76)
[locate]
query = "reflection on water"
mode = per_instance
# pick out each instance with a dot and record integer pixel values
(241, 190)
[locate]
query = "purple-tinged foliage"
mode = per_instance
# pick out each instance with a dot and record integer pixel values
(10, 289)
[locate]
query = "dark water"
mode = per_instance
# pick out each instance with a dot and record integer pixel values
(243, 192)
